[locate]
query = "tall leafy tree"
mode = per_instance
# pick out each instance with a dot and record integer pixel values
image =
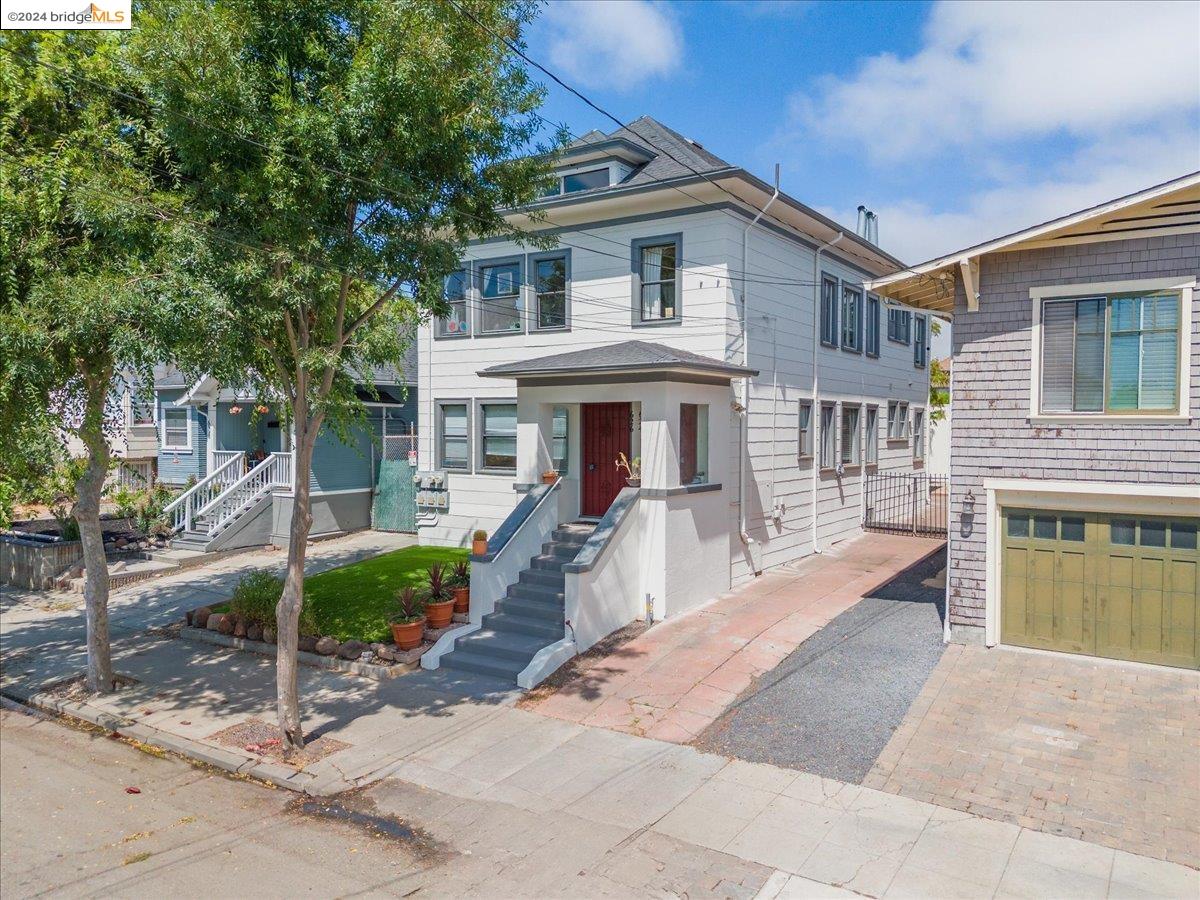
(342, 152)
(86, 297)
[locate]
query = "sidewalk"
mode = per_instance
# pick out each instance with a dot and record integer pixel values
(675, 680)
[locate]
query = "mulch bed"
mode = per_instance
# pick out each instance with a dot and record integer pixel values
(75, 689)
(262, 739)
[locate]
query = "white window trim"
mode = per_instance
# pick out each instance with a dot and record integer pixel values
(1073, 496)
(1186, 287)
(162, 441)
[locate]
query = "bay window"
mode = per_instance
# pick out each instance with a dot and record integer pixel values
(1116, 354)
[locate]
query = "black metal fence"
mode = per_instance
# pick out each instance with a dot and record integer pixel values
(907, 503)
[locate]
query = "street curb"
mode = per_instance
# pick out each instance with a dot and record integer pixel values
(316, 660)
(229, 761)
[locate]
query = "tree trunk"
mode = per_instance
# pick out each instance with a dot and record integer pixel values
(287, 613)
(86, 511)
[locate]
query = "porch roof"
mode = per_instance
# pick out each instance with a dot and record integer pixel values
(626, 358)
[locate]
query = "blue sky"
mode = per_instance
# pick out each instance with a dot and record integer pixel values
(955, 122)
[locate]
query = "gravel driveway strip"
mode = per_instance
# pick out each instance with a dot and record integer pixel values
(831, 706)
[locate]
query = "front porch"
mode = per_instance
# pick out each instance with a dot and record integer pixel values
(649, 547)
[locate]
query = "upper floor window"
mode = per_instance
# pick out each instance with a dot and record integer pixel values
(829, 311)
(141, 409)
(454, 289)
(500, 297)
(656, 279)
(1114, 354)
(177, 433)
(585, 181)
(920, 350)
(872, 325)
(852, 310)
(899, 325)
(693, 443)
(550, 274)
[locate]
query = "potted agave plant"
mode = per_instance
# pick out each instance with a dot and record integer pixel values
(439, 603)
(479, 543)
(632, 467)
(408, 624)
(460, 577)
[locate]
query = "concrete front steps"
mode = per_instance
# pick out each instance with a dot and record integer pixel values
(528, 618)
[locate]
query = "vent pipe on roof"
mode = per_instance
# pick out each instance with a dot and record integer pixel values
(867, 226)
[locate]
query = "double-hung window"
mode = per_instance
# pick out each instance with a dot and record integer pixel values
(141, 409)
(829, 311)
(559, 447)
(453, 436)
(918, 434)
(872, 325)
(500, 297)
(852, 312)
(550, 276)
(656, 279)
(177, 434)
(828, 436)
(851, 438)
(455, 323)
(498, 435)
(897, 423)
(919, 348)
(899, 326)
(1117, 354)
(872, 439)
(806, 444)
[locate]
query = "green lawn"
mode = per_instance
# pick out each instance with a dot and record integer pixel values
(356, 601)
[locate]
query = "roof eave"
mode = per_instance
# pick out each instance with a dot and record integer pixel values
(617, 371)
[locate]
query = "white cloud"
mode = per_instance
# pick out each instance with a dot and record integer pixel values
(1006, 71)
(612, 43)
(916, 230)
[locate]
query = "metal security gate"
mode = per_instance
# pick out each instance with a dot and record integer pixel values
(395, 504)
(907, 503)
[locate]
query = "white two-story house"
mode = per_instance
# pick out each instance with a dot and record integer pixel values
(690, 317)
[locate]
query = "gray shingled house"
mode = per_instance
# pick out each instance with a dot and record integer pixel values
(1075, 441)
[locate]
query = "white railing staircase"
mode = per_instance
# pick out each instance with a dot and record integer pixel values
(181, 512)
(209, 512)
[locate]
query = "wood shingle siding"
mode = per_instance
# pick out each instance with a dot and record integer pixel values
(992, 435)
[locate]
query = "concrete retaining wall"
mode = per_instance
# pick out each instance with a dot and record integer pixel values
(35, 564)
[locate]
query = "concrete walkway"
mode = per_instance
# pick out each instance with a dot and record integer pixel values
(672, 682)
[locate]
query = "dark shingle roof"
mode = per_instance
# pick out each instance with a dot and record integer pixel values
(627, 356)
(665, 143)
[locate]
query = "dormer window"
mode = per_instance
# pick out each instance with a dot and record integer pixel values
(585, 181)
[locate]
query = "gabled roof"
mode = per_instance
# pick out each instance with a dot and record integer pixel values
(627, 357)
(1169, 208)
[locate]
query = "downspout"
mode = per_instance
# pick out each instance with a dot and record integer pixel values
(816, 399)
(745, 442)
(949, 420)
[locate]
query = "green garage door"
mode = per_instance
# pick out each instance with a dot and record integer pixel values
(1126, 587)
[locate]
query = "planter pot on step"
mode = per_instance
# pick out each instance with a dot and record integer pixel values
(634, 482)
(438, 615)
(407, 635)
(549, 477)
(462, 600)
(479, 548)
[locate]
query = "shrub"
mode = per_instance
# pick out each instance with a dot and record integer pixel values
(126, 500)
(149, 515)
(68, 525)
(255, 597)
(410, 606)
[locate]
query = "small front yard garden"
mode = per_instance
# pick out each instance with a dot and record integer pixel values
(354, 602)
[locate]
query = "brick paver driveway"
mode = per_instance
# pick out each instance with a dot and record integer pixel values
(1102, 751)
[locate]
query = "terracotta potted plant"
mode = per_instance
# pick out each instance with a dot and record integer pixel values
(460, 577)
(479, 543)
(549, 476)
(408, 624)
(632, 467)
(439, 598)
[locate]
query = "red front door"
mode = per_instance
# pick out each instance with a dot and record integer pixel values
(605, 434)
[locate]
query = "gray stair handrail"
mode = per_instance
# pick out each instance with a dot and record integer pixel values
(515, 519)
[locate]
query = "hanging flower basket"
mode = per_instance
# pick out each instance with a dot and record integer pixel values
(234, 410)
(262, 409)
